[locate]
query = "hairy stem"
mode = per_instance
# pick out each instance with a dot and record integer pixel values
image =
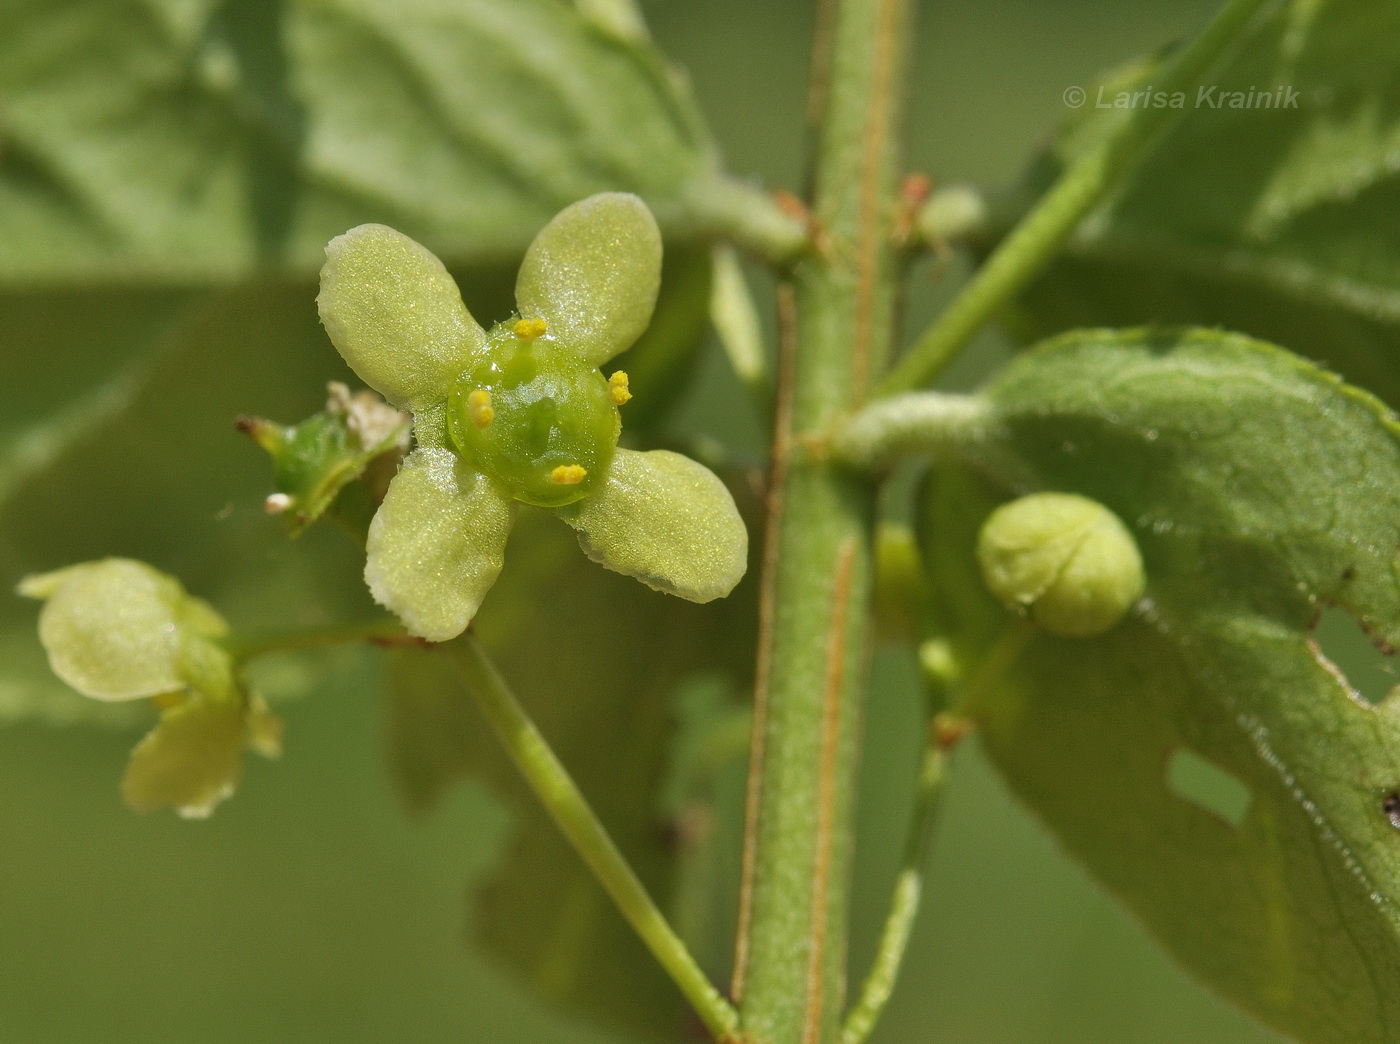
(732, 210)
(838, 316)
(1032, 244)
(935, 423)
(551, 782)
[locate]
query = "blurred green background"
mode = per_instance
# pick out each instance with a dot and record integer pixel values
(312, 908)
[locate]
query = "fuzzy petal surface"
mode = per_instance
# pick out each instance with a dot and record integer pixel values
(191, 760)
(593, 274)
(113, 629)
(437, 544)
(395, 314)
(667, 521)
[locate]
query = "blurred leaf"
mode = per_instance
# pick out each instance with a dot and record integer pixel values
(1260, 489)
(434, 737)
(167, 480)
(178, 142)
(1275, 221)
(598, 673)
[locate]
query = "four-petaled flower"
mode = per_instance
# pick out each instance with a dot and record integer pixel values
(521, 414)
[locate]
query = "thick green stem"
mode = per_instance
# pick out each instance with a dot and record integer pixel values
(838, 315)
(561, 797)
(1031, 245)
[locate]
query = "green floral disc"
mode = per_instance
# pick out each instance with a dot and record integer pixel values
(533, 415)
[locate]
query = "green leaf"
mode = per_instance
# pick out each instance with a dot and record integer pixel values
(1275, 221)
(180, 143)
(1260, 490)
(597, 673)
(164, 478)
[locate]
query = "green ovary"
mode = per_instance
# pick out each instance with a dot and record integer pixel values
(544, 415)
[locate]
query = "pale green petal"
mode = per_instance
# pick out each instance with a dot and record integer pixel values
(593, 274)
(667, 521)
(191, 760)
(112, 628)
(437, 544)
(395, 315)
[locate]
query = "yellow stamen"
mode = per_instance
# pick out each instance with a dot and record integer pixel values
(166, 700)
(617, 386)
(479, 408)
(529, 329)
(568, 474)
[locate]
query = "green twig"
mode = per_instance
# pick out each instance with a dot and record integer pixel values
(377, 632)
(935, 423)
(904, 905)
(748, 217)
(837, 320)
(556, 789)
(945, 730)
(1032, 244)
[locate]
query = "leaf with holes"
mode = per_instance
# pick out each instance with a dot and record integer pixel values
(1204, 759)
(177, 143)
(1270, 213)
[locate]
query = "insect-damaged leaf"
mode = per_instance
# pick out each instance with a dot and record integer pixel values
(1260, 490)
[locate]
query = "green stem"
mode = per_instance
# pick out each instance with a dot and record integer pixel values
(561, 797)
(380, 632)
(1032, 244)
(904, 905)
(937, 423)
(945, 730)
(733, 210)
(837, 317)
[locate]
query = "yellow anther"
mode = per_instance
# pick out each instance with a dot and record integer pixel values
(166, 700)
(617, 385)
(568, 474)
(529, 329)
(479, 408)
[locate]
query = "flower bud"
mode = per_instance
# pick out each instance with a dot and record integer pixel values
(1066, 560)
